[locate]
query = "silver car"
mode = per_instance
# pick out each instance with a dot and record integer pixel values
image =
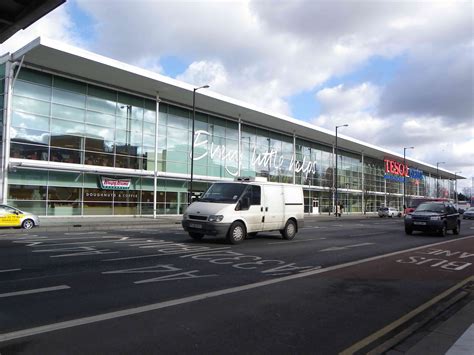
(468, 214)
(389, 212)
(14, 217)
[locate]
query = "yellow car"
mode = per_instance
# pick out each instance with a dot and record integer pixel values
(13, 217)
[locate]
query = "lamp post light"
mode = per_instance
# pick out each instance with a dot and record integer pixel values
(437, 177)
(404, 175)
(335, 183)
(456, 187)
(192, 142)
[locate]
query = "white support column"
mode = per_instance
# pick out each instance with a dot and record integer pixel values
(363, 184)
(239, 158)
(385, 192)
(155, 170)
(333, 195)
(294, 158)
(10, 66)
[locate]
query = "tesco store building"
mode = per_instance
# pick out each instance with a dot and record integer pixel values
(85, 135)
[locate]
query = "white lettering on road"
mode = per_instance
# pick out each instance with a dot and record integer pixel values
(78, 251)
(434, 262)
(180, 276)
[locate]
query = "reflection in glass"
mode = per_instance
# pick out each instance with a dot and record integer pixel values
(24, 135)
(127, 162)
(65, 156)
(67, 141)
(27, 151)
(28, 120)
(64, 193)
(26, 192)
(98, 159)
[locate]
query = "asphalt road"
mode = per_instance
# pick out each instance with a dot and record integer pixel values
(157, 291)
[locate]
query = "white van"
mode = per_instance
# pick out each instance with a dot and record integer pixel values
(245, 207)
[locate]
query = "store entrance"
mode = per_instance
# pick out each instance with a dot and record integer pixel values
(315, 209)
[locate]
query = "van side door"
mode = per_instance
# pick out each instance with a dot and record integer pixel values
(274, 207)
(251, 208)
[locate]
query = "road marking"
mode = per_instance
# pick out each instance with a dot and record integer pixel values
(347, 247)
(37, 290)
(156, 306)
(154, 255)
(295, 241)
(380, 333)
(75, 243)
(9, 270)
(82, 233)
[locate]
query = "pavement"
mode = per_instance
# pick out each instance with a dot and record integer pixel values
(451, 334)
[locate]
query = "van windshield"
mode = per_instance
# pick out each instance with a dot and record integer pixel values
(223, 193)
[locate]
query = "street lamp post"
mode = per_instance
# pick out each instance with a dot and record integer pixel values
(192, 142)
(437, 177)
(335, 182)
(456, 187)
(404, 175)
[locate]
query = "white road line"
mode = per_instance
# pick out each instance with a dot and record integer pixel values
(74, 243)
(37, 290)
(296, 241)
(153, 307)
(9, 270)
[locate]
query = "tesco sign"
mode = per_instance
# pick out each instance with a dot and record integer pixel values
(396, 171)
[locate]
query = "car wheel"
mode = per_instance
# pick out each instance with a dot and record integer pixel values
(236, 233)
(408, 231)
(289, 232)
(443, 231)
(399, 215)
(27, 224)
(196, 236)
(457, 229)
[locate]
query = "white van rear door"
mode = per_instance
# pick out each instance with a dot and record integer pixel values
(274, 207)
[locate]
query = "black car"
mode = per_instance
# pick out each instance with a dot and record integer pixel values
(433, 217)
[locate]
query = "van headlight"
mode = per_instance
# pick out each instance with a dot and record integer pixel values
(215, 218)
(435, 218)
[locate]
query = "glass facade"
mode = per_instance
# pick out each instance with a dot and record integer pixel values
(67, 129)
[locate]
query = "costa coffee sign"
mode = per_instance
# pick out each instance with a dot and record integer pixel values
(396, 171)
(114, 184)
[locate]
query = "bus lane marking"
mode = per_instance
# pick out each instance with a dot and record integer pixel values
(18, 334)
(77, 251)
(160, 268)
(444, 259)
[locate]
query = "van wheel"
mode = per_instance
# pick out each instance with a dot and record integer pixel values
(196, 236)
(236, 233)
(27, 224)
(289, 232)
(457, 229)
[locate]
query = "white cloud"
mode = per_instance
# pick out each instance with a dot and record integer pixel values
(342, 99)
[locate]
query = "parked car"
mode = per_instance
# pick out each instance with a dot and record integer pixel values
(433, 217)
(13, 217)
(389, 212)
(469, 213)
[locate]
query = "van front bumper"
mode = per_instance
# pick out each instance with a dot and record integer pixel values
(207, 228)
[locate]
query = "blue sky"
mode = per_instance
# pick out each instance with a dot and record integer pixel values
(385, 66)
